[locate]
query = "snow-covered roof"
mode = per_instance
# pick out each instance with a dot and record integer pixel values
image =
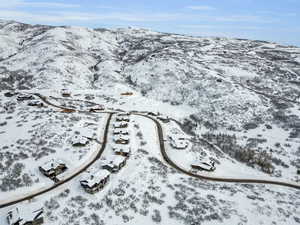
(204, 163)
(77, 139)
(122, 149)
(163, 117)
(122, 117)
(114, 160)
(25, 96)
(118, 124)
(34, 102)
(124, 114)
(93, 177)
(65, 91)
(178, 141)
(52, 164)
(121, 130)
(21, 216)
(121, 137)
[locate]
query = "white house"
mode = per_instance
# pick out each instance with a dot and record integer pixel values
(93, 181)
(65, 93)
(25, 216)
(121, 139)
(78, 140)
(204, 164)
(36, 103)
(178, 142)
(178, 139)
(114, 163)
(122, 117)
(121, 131)
(120, 124)
(123, 150)
(23, 97)
(52, 168)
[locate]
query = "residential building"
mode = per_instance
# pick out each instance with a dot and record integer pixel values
(93, 181)
(53, 168)
(25, 216)
(123, 151)
(24, 97)
(120, 139)
(204, 164)
(120, 124)
(114, 163)
(120, 131)
(78, 140)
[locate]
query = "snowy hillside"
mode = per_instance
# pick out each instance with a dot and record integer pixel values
(235, 101)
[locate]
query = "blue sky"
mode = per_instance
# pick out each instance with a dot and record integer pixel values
(273, 20)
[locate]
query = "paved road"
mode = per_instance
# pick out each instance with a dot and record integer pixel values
(218, 179)
(163, 152)
(100, 151)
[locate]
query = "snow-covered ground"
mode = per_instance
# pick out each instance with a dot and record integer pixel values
(240, 95)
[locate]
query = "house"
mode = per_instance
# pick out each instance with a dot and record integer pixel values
(78, 140)
(178, 142)
(120, 132)
(25, 216)
(204, 164)
(10, 94)
(24, 97)
(152, 114)
(99, 108)
(123, 151)
(164, 119)
(121, 118)
(93, 181)
(127, 93)
(120, 124)
(114, 163)
(65, 93)
(121, 140)
(53, 168)
(36, 103)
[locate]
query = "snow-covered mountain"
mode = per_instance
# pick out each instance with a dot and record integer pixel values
(241, 95)
(218, 77)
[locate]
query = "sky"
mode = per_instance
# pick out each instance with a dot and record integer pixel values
(271, 20)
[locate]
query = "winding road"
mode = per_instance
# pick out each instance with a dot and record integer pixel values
(218, 179)
(61, 182)
(162, 149)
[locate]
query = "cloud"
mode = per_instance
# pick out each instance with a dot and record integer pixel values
(20, 3)
(245, 18)
(201, 7)
(49, 5)
(226, 27)
(67, 16)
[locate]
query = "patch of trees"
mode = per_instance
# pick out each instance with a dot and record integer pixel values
(252, 157)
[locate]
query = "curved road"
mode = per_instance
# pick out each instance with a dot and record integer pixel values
(218, 179)
(101, 150)
(163, 152)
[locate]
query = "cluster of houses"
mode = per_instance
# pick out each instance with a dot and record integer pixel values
(21, 97)
(120, 132)
(94, 179)
(25, 216)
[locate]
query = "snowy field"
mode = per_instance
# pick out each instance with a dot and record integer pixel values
(236, 101)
